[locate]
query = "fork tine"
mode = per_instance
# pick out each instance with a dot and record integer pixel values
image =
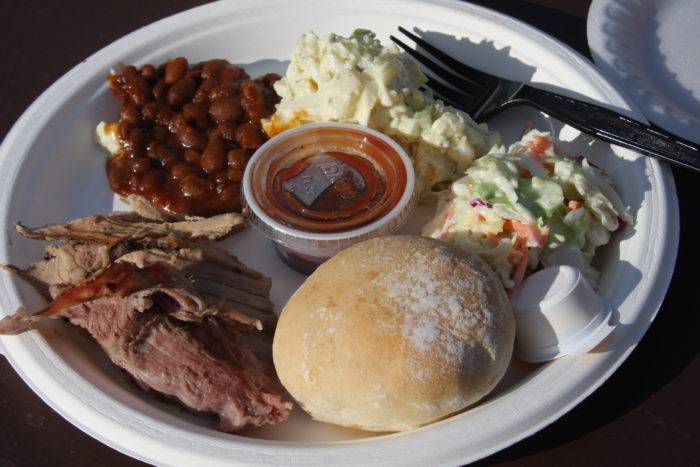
(468, 72)
(457, 81)
(451, 96)
(444, 99)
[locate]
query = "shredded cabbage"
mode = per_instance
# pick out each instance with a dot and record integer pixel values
(530, 204)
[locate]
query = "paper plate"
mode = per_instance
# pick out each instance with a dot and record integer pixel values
(650, 49)
(51, 171)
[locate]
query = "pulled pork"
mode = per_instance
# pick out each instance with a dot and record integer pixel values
(168, 307)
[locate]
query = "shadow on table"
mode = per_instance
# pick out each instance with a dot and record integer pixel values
(671, 342)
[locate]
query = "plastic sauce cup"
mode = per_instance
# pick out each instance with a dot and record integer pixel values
(317, 189)
(558, 313)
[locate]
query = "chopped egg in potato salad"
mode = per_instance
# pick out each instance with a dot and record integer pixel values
(358, 80)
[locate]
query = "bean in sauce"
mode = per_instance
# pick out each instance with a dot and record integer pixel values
(187, 132)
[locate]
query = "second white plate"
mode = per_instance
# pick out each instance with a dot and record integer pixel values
(650, 48)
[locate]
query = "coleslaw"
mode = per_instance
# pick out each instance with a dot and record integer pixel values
(530, 205)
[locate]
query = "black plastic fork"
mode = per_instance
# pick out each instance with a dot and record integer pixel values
(483, 96)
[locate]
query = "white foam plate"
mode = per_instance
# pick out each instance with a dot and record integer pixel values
(51, 171)
(650, 48)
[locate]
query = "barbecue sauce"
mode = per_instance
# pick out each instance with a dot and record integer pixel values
(334, 181)
(329, 186)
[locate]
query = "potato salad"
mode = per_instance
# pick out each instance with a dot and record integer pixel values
(356, 79)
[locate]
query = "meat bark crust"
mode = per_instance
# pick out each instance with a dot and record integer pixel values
(92, 243)
(119, 226)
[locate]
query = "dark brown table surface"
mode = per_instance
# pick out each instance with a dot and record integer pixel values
(647, 413)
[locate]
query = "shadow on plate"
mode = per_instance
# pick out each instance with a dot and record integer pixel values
(268, 65)
(661, 78)
(486, 56)
(666, 79)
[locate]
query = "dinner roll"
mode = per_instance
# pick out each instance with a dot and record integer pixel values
(393, 333)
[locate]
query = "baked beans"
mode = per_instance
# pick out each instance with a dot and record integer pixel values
(187, 132)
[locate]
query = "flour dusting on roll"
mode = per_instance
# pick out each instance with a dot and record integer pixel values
(394, 333)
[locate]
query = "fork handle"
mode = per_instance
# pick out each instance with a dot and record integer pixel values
(613, 127)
